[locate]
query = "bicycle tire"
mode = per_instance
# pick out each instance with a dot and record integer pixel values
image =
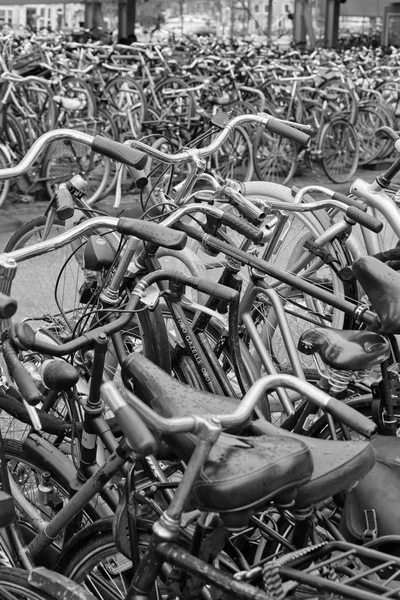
(78, 89)
(20, 584)
(26, 464)
(126, 103)
(94, 551)
(369, 120)
(339, 150)
(36, 99)
(275, 158)
(234, 158)
(289, 247)
(173, 106)
(65, 158)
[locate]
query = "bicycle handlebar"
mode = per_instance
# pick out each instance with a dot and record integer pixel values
(24, 337)
(145, 230)
(136, 155)
(243, 412)
(354, 209)
(275, 125)
(115, 150)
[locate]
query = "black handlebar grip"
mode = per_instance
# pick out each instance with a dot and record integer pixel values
(349, 201)
(139, 177)
(153, 233)
(243, 227)
(119, 152)
(64, 203)
(22, 335)
(350, 417)
(136, 431)
(288, 131)
(8, 306)
(364, 219)
(20, 375)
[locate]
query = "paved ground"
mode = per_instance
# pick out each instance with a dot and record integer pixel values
(14, 212)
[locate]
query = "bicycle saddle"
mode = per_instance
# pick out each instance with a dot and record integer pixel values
(382, 286)
(243, 473)
(345, 349)
(337, 465)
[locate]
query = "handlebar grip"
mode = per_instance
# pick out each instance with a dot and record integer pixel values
(20, 375)
(243, 227)
(350, 201)
(22, 335)
(119, 152)
(139, 177)
(135, 430)
(8, 306)
(350, 417)
(153, 233)
(364, 219)
(64, 203)
(287, 131)
(208, 287)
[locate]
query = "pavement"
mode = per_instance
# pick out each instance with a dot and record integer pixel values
(16, 211)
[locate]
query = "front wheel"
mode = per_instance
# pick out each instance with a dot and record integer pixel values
(18, 584)
(234, 158)
(94, 560)
(339, 145)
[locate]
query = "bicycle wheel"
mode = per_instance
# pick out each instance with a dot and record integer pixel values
(234, 158)
(174, 101)
(27, 463)
(64, 159)
(95, 562)
(302, 311)
(18, 584)
(275, 158)
(127, 105)
(369, 120)
(339, 147)
(33, 99)
(76, 89)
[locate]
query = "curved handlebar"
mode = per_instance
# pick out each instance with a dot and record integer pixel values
(137, 153)
(145, 230)
(243, 412)
(111, 148)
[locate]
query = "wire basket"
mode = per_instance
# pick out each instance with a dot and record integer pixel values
(339, 568)
(32, 63)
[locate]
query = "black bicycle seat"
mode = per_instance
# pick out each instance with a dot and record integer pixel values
(337, 465)
(243, 472)
(381, 283)
(352, 350)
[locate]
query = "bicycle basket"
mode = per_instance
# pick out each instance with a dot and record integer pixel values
(34, 63)
(345, 570)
